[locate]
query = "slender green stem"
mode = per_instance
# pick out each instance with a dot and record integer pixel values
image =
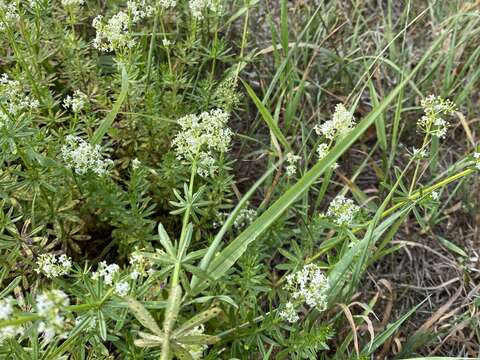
(150, 50)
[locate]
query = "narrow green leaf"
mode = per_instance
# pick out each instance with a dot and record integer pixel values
(108, 121)
(199, 319)
(10, 286)
(165, 241)
(390, 330)
(143, 316)
(102, 326)
(272, 125)
(198, 339)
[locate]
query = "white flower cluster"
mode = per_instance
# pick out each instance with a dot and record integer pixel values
(6, 311)
(122, 288)
(77, 102)
(244, 218)
(10, 13)
(420, 153)
(139, 9)
(197, 7)
(52, 266)
(141, 266)
(83, 157)
(51, 305)
(291, 167)
(114, 34)
(476, 157)
(106, 271)
(226, 93)
(73, 3)
(14, 100)
(200, 136)
(342, 211)
(432, 123)
(340, 124)
(322, 150)
(196, 351)
(109, 273)
(310, 286)
(165, 4)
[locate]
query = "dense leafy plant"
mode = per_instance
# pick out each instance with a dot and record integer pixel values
(130, 226)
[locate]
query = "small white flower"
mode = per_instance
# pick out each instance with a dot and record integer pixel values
(420, 153)
(435, 195)
(77, 102)
(52, 267)
(106, 271)
(114, 34)
(198, 7)
(196, 351)
(322, 151)
(10, 13)
(15, 103)
(291, 168)
(476, 156)
(83, 157)
(139, 9)
(122, 288)
(342, 122)
(166, 42)
(11, 331)
(51, 305)
(289, 313)
(6, 308)
(431, 123)
(342, 211)
(308, 285)
(201, 136)
(165, 4)
(136, 164)
(140, 264)
(72, 3)
(245, 218)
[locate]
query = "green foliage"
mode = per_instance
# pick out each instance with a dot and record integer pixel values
(116, 242)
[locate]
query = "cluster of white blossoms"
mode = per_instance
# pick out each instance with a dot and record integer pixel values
(476, 158)
(196, 350)
(6, 312)
(110, 273)
(245, 218)
(308, 285)
(139, 9)
(197, 7)
(52, 266)
(83, 157)
(432, 123)
(292, 160)
(77, 102)
(114, 34)
(166, 4)
(202, 135)
(141, 266)
(14, 100)
(322, 150)
(341, 123)
(420, 153)
(10, 13)
(51, 305)
(73, 3)
(107, 272)
(342, 211)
